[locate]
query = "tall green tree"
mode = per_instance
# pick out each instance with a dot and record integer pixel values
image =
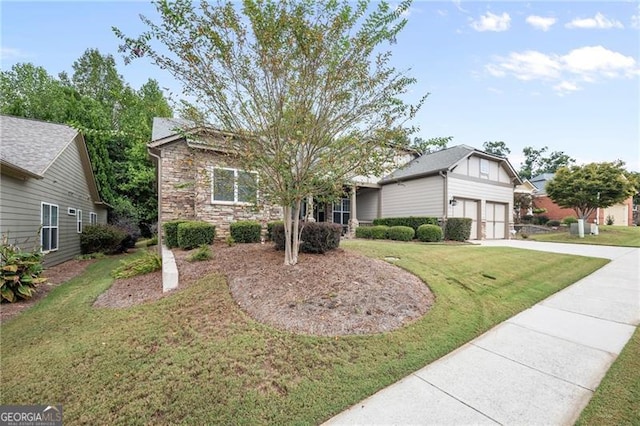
(426, 146)
(536, 162)
(586, 188)
(307, 85)
(498, 148)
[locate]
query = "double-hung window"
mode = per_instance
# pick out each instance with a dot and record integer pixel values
(49, 233)
(79, 222)
(93, 218)
(233, 186)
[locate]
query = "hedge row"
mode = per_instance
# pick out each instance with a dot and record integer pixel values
(247, 231)
(316, 237)
(384, 232)
(188, 234)
(456, 229)
(411, 221)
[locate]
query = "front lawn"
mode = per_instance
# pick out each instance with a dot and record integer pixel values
(195, 358)
(625, 236)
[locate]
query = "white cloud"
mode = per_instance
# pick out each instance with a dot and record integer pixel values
(492, 22)
(458, 5)
(7, 53)
(635, 20)
(540, 22)
(599, 21)
(567, 72)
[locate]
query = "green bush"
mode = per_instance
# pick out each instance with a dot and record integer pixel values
(194, 234)
(105, 239)
(429, 233)
(153, 241)
(553, 223)
(128, 268)
(363, 232)
(541, 219)
(380, 232)
(171, 232)
(458, 229)
(411, 221)
(270, 226)
(569, 220)
(401, 233)
(247, 231)
(19, 272)
(316, 237)
(203, 252)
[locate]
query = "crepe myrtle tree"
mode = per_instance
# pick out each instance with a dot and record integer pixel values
(306, 85)
(587, 188)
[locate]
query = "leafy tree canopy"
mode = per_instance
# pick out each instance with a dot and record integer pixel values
(498, 148)
(307, 84)
(586, 188)
(536, 163)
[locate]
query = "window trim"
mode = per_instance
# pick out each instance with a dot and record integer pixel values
(71, 211)
(47, 228)
(93, 218)
(79, 222)
(484, 171)
(235, 201)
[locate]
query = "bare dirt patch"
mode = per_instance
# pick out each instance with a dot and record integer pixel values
(337, 293)
(55, 275)
(127, 292)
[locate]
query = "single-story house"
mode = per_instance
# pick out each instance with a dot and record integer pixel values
(621, 214)
(48, 190)
(456, 182)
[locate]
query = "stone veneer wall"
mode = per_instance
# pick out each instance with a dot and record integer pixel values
(186, 191)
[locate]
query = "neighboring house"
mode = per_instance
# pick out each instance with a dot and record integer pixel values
(456, 182)
(622, 213)
(460, 181)
(47, 188)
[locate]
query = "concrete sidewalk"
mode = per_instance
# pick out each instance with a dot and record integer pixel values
(539, 367)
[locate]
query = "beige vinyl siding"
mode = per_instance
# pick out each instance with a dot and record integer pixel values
(459, 187)
(417, 197)
(367, 204)
(471, 167)
(64, 185)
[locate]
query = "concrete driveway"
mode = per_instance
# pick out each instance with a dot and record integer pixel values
(539, 367)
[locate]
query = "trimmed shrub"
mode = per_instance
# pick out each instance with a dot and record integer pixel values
(458, 229)
(128, 268)
(247, 231)
(540, 219)
(363, 232)
(20, 271)
(553, 223)
(569, 220)
(401, 233)
(429, 233)
(194, 234)
(317, 237)
(203, 252)
(171, 232)
(107, 239)
(380, 232)
(320, 237)
(270, 226)
(411, 221)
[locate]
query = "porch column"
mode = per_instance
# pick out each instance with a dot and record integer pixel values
(309, 215)
(353, 221)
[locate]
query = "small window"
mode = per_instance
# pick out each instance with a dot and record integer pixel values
(93, 218)
(233, 186)
(79, 221)
(484, 167)
(71, 211)
(49, 233)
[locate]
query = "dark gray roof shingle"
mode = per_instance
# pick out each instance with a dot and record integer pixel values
(163, 127)
(32, 144)
(431, 163)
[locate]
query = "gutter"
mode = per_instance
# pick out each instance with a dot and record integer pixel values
(445, 194)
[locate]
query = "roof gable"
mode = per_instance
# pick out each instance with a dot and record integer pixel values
(33, 145)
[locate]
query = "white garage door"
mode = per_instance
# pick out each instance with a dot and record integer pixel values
(618, 213)
(468, 208)
(496, 215)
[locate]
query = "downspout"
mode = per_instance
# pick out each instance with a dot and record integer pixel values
(159, 188)
(445, 196)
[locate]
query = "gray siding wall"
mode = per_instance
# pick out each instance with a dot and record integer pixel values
(418, 197)
(484, 191)
(471, 167)
(64, 185)
(367, 204)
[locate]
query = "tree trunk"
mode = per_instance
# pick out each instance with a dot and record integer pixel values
(292, 233)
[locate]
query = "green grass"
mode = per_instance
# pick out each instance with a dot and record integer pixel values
(617, 399)
(195, 358)
(625, 236)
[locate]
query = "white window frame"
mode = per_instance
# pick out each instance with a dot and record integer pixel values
(93, 218)
(235, 201)
(71, 211)
(46, 228)
(484, 167)
(79, 222)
